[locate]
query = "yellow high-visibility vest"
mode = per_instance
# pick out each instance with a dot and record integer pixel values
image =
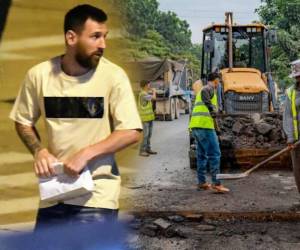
(201, 117)
(145, 108)
(291, 93)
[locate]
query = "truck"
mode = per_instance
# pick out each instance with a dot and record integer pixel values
(249, 117)
(172, 81)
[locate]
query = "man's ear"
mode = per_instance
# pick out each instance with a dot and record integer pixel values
(71, 37)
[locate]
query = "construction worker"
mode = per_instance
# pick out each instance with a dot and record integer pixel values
(145, 98)
(291, 119)
(197, 86)
(203, 130)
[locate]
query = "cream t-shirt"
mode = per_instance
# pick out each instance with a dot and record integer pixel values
(76, 113)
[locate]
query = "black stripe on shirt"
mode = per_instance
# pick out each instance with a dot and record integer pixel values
(74, 107)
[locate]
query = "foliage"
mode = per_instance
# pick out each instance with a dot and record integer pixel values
(151, 32)
(140, 16)
(175, 31)
(284, 16)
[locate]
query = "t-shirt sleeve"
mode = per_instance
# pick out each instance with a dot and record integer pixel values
(123, 106)
(206, 98)
(26, 109)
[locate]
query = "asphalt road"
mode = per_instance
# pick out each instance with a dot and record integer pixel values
(261, 211)
(165, 182)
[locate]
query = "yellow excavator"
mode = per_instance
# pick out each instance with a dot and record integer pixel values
(249, 118)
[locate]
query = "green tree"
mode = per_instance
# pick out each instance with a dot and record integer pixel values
(155, 33)
(174, 30)
(283, 15)
(140, 16)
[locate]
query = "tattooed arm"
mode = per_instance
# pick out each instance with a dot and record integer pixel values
(42, 158)
(30, 137)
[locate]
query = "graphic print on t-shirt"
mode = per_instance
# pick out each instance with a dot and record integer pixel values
(74, 107)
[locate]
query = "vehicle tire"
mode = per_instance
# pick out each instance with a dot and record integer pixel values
(177, 108)
(188, 109)
(193, 159)
(171, 116)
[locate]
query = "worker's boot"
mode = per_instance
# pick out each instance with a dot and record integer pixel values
(144, 153)
(150, 152)
(220, 189)
(204, 186)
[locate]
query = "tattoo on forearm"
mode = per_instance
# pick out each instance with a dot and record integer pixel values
(29, 137)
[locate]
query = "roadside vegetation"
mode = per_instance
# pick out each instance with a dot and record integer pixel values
(154, 33)
(284, 16)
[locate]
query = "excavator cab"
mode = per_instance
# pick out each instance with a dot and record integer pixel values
(241, 54)
(249, 46)
(250, 130)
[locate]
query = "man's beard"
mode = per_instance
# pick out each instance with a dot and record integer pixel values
(88, 61)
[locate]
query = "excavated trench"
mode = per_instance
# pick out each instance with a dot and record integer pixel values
(192, 231)
(275, 216)
(190, 225)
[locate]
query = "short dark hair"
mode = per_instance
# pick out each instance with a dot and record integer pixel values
(76, 17)
(143, 83)
(212, 76)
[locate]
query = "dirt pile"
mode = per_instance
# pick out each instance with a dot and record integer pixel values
(248, 131)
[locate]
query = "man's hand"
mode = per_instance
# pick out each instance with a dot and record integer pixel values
(42, 158)
(118, 140)
(153, 94)
(76, 163)
(43, 161)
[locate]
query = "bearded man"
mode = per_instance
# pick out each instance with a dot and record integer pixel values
(77, 95)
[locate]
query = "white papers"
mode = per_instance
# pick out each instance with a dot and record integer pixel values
(63, 187)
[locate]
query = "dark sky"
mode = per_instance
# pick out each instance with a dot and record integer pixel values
(201, 13)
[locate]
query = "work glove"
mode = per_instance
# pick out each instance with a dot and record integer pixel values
(213, 114)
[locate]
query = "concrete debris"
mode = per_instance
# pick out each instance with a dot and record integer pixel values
(181, 232)
(150, 230)
(161, 227)
(171, 232)
(248, 131)
(237, 127)
(162, 223)
(176, 218)
(263, 127)
(256, 117)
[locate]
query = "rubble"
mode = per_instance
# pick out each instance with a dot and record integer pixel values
(248, 131)
(150, 230)
(162, 223)
(263, 127)
(237, 127)
(176, 218)
(206, 227)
